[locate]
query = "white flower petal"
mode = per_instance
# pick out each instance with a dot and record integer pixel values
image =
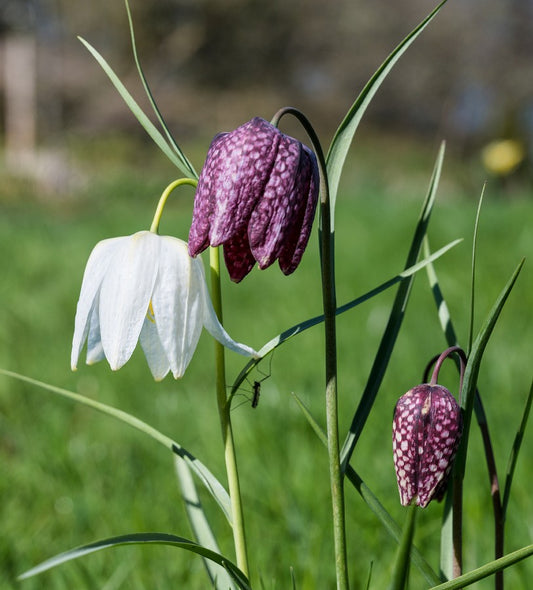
(211, 322)
(95, 271)
(95, 350)
(178, 304)
(153, 350)
(125, 295)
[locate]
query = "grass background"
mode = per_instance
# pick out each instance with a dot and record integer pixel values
(71, 476)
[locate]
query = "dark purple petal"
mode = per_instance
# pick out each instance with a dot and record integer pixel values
(234, 177)
(203, 200)
(296, 242)
(238, 256)
(427, 429)
(274, 214)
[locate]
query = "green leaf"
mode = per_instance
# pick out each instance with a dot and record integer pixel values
(394, 323)
(187, 164)
(211, 483)
(149, 127)
(401, 567)
(513, 458)
(472, 370)
(201, 529)
(342, 140)
(486, 570)
(140, 539)
(278, 340)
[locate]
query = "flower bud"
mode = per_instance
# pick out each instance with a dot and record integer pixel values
(426, 431)
(256, 195)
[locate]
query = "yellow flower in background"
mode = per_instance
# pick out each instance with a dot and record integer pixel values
(503, 156)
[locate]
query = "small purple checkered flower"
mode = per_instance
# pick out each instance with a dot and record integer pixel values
(256, 195)
(426, 431)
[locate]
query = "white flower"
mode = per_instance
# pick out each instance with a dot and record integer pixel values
(145, 287)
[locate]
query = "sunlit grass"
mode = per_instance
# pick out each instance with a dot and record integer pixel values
(72, 476)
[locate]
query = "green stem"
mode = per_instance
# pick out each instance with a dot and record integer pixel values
(239, 537)
(163, 199)
(327, 259)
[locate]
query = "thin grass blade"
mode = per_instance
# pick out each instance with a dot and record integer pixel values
(278, 340)
(400, 575)
(472, 369)
(211, 483)
(343, 137)
(513, 458)
(203, 534)
(149, 127)
(141, 539)
(486, 570)
(172, 142)
(394, 323)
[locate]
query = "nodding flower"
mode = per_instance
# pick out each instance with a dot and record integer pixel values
(256, 195)
(145, 287)
(426, 432)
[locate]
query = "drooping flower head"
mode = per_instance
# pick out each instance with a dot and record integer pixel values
(146, 288)
(426, 432)
(256, 196)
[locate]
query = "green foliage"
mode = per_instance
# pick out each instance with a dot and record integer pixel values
(63, 459)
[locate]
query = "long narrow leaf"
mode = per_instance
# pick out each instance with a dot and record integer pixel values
(302, 326)
(215, 488)
(513, 458)
(394, 323)
(472, 369)
(203, 535)
(141, 539)
(448, 329)
(186, 163)
(149, 127)
(486, 570)
(342, 140)
(401, 567)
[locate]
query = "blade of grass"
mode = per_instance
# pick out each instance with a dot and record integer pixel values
(203, 534)
(343, 137)
(473, 364)
(400, 575)
(186, 163)
(211, 483)
(141, 539)
(513, 458)
(271, 345)
(446, 529)
(394, 323)
(149, 127)
(486, 570)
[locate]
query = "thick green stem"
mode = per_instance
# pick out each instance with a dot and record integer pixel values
(239, 537)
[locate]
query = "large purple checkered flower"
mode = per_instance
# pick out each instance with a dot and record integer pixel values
(426, 431)
(257, 196)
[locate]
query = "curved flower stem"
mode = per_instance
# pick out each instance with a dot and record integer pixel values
(163, 199)
(327, 259)
(239, 538)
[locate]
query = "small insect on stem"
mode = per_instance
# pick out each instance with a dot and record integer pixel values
(256, 393)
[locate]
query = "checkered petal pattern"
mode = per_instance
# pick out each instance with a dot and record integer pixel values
(426, 432)
(256, 195)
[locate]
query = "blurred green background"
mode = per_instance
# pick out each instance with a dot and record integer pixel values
(71, 476)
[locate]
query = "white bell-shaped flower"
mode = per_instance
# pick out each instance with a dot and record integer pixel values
(145, 287)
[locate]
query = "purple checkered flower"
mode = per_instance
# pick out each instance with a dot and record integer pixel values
(426, 431)
(256, 196)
